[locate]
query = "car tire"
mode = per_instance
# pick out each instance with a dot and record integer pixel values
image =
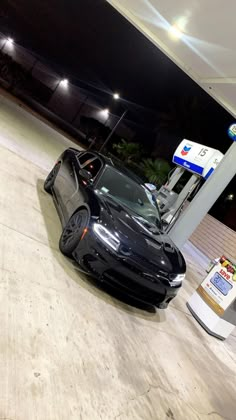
(73, 232)
(49, 181)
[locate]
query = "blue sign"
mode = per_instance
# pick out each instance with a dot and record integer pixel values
(188, 165)
(232, 132)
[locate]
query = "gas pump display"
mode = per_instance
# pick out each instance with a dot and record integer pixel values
(221, 284)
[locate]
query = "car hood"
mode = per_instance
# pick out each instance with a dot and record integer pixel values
(141, 239)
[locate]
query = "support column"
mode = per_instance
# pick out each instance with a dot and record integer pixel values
(205, 198)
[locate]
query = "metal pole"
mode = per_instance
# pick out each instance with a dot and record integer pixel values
(54, 90)
(113, 130)
(205, 198)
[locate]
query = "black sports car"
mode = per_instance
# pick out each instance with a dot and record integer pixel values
(112, 227)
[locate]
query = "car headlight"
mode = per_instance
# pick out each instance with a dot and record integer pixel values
(106, 236)
(177, 279)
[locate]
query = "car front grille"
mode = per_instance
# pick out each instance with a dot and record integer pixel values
(125, 282)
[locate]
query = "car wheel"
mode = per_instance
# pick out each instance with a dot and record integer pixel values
(49, 181)
(72, 232)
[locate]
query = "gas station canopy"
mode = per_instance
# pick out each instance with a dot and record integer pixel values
(197, 35)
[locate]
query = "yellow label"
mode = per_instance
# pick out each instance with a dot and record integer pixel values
(210, 301)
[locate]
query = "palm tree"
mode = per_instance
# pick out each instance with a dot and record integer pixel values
(156, 170)
(128, 152)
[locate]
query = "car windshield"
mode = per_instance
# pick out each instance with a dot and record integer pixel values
(128, 192)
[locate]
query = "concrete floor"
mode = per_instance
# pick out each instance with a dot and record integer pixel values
(68, 350)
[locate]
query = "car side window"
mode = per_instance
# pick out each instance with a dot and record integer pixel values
(93, 166)
(85, 157)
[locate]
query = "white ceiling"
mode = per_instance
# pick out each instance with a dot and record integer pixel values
(207, 49)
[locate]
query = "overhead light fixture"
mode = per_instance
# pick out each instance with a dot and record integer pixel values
(116, 96)
(175, 32)
(64, 82)
(10, 41)
(105, 112)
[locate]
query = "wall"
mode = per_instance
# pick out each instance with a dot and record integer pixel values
(214, 239)
(69, 103)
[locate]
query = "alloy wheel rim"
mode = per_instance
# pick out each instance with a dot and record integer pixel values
(72, 229)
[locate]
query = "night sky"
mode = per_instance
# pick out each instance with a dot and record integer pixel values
(91, 40)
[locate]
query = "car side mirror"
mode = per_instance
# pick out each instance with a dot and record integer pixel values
(85, 174)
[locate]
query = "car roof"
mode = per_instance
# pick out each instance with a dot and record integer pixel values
(118, 164)
(115, 163)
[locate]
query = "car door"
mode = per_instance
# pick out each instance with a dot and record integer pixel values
(65, 183)
(92, 164)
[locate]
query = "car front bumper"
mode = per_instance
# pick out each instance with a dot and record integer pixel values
(125, 273)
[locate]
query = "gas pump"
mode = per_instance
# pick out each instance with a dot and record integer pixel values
(200, 162)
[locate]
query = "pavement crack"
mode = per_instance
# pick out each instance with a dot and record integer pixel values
(152, 386)
(218, 414)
